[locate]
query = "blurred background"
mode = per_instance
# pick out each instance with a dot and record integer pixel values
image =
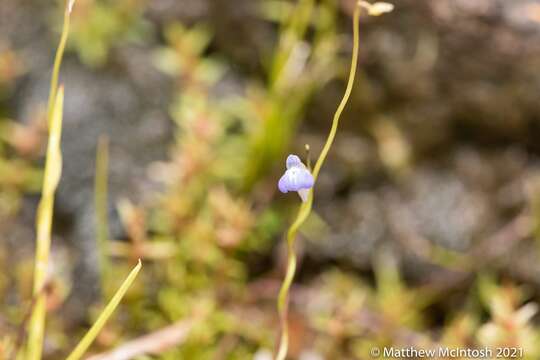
(178, 118)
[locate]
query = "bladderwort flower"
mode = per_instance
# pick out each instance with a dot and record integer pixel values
(297, 178)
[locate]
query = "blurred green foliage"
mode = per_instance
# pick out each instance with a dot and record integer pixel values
(99, 25)
(297, 68)
(216, 213)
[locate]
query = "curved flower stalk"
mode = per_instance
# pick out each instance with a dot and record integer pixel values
(296, 179)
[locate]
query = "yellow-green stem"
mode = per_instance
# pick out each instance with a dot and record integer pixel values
(53, 170)
(58, 59)
(344, 100)
(305, 208)
(89, 337)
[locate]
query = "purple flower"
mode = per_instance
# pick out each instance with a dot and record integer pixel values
(296, 178)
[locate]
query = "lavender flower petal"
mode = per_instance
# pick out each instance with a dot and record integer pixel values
(292, 161)
(283, 184)
(304, 179)
(296, 178)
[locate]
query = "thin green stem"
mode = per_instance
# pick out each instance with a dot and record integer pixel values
(283, 303)
(53, 170)
(58, 59)
(283, 296)
(89, 337)
(305, 208)
(346, 96)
